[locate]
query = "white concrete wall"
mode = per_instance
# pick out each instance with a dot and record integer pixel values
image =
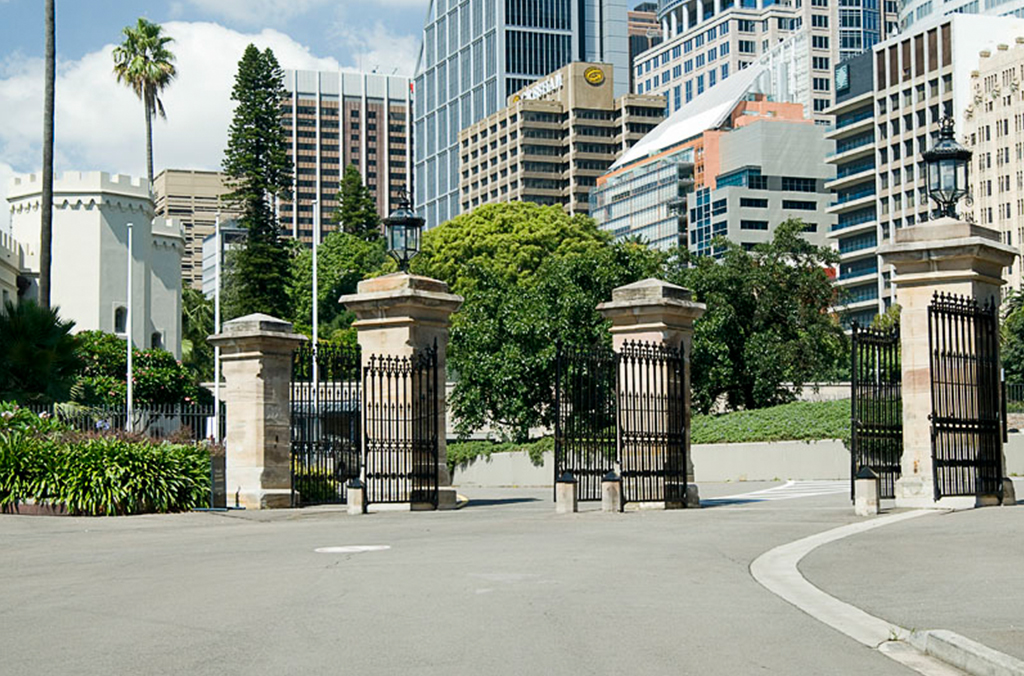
(796, 460)
(10, 265)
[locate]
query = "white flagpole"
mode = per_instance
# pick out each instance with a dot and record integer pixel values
(129, 423)
(216, 330)
(316, 309)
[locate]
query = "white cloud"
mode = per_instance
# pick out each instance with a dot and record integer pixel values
(100, 123)
(378, 49)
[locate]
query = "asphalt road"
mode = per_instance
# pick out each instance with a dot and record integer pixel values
(961, 571)
(503, 586)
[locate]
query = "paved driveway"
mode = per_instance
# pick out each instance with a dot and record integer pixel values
(504, 586)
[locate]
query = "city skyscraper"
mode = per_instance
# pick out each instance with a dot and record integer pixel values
(334, 119)
(477, 53)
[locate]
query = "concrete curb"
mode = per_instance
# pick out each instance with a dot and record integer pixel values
(932, 653)
(963, 653)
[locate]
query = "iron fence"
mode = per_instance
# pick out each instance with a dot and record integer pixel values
(966, 396)
(326, 406)
(183, 422)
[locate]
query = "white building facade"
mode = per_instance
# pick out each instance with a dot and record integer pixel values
(91, 214)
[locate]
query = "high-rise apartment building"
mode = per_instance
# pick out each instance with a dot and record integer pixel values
(914, 11)
(731, 164)
(335, 119)
(477, 53)
(553, 139)
(193, 198)
(918, 77)
(644, 33)
(708, 40)
(994, 130)
(856, 234)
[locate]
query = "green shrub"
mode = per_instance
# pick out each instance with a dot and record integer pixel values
(797, 421)
(92, 474)
(462, 453)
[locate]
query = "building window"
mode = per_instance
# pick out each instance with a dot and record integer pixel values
(746, 47)
(799, 205)
(797, 184)
(156, 341)
(819, 41)
(120, 320)
(753, 225)
(753, 203)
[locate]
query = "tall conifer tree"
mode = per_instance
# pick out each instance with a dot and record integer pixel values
(357, 210)
(256, 162)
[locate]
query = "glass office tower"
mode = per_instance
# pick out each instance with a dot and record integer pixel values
(476, 53)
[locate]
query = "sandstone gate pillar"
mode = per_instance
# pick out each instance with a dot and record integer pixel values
(256, 358)
(661, 314)
(948, 256)
(399, 315)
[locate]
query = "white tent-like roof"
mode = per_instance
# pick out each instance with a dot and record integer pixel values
(708, 111)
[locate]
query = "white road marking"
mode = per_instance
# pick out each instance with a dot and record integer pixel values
(351, 549)
(788, 491)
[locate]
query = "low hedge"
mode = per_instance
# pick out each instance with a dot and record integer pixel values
(90, 474)
(462, 453)
(798, 421)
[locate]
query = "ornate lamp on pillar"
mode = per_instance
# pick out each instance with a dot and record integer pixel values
(402, 230)
(947, 164)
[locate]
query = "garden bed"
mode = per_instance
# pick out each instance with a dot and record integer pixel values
(798, 421)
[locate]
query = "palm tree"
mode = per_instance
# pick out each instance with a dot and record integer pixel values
(46, 224)
(144, 63)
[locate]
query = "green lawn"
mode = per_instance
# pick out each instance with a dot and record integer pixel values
(799, 421)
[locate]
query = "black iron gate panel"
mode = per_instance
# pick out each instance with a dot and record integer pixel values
(326, 416)
(963, 340)
(876, 403)
(401, 428)
(585, 417)
(652, 425)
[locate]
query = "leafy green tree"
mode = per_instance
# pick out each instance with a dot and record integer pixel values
(1012, 329)
(343, 261)
(159, 378)
(143, 63)
(510, 239)
(38, 359)
(888, 319)
(504, 338)
(768, 328)
(258, 169)
(197, 324)
(357, 210)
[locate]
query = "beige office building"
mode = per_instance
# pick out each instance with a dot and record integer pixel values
(995, 132)
(553, 139)
(193, 198)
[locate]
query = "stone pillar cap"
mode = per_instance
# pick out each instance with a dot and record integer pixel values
(257, 325)
(401, 288)
(653, 294)
(947, 238)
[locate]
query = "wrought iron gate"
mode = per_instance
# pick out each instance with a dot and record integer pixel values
(623, 411)
(326, 416)
(963, 339)
(876, 403)
(401, 428)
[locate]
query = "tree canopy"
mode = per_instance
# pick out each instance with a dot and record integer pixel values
(768, 327)
(38, 354)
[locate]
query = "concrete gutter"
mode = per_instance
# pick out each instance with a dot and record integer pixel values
(965, 654)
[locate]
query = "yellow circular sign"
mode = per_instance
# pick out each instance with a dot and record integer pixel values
(594, 75)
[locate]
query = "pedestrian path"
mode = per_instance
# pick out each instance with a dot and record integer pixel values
(790, 490)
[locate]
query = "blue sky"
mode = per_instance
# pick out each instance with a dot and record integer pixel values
(100, 123)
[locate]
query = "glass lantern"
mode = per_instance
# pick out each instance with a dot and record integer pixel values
(402, 230)
(947, 163)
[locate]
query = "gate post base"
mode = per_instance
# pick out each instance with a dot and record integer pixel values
(692, 496)
(447, 498)
(265, 499)
(565, 495)
(611, 493)
(356, 497)
(865, 493)
(1009, 492)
